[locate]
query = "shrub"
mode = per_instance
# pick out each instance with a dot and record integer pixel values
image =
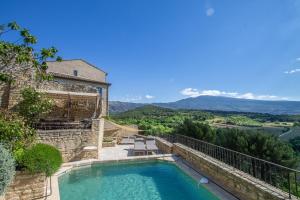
(33, 105)
(7, 168)
(196, 130)
(15, 134)
(42, 158)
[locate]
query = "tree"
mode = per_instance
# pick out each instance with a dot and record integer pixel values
(22, 52)
(257, 144)
(196, 130)
(15, 134)
(33, 105)
(295, 142)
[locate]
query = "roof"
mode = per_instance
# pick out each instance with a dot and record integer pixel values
(76, 59)
(77, 78)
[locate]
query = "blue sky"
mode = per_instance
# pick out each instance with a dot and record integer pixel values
(165, 50)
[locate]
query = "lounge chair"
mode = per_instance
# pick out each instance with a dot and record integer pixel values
(127, 140)
(139, 148)
(151, 146)
(139, 139)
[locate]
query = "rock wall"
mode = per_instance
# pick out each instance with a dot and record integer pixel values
(10, 93)
(70, 142)
(238, 183)
(26, 186)
(164, 146)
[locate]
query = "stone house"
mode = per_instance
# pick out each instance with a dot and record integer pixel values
(79, 89)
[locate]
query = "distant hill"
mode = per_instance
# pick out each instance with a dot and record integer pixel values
(220, 104)
(147, 110)
(118, 106)
(235, 104)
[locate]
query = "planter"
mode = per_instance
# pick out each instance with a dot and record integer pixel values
(26, 186)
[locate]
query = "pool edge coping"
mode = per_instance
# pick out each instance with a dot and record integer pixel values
(53, 187)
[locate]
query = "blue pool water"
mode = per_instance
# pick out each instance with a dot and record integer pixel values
(131, 181)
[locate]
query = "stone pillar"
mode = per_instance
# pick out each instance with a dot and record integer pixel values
(98, 130)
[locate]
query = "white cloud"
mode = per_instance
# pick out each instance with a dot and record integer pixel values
(192, 92)
(298, 59)
(129, 98)
(210, 12)
(292, 71)
(149, 96)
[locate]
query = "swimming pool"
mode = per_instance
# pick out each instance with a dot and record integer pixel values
(152, 180)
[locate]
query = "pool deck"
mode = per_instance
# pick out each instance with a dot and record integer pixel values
(121, 153)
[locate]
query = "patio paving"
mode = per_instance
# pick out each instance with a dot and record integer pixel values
(117, 152)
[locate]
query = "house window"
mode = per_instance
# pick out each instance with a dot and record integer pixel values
(99, 89)
(75, 73)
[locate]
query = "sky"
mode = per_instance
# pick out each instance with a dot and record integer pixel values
(166, 50)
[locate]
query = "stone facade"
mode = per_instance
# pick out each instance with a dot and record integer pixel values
(90, 83)
(26, 186)
(10, 93)
(70, 142)
(75, 144)
(238, 183)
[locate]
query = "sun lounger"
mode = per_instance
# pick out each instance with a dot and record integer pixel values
(151, 146)
(127, 140)
(139, 148)
(139, 139)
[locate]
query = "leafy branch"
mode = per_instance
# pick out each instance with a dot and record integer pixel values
(23, 54)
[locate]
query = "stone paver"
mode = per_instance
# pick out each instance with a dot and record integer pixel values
(116, 153)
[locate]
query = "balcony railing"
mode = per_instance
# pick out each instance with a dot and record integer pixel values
(279, 176)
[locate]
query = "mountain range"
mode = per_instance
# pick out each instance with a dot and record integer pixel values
(218, 103)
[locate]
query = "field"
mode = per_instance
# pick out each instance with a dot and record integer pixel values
(153, 119)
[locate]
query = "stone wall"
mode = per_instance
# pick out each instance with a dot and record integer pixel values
(26, 187)
(70, 142)
(70, 85)
(163, 145)
(10, 93)
(238, 183)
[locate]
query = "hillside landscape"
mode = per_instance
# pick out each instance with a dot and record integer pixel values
(220, 104)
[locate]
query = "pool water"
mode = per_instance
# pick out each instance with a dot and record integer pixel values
(153, 180)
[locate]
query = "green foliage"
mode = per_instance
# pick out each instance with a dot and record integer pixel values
(42, 158)
(21, 51)
(242, 121)
(196, 130)
(156, 120)
(15, 134)
(33, 105)
(7, 168)
(297, 124)
(194, 123)
(257, 144)
(295, 142)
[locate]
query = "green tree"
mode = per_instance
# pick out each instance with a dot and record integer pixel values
(21, 52)
(257, 144)
(33, 105)
(42, 158)
(233, 139)
(196, 130)
(295, 142)
(15, 133)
